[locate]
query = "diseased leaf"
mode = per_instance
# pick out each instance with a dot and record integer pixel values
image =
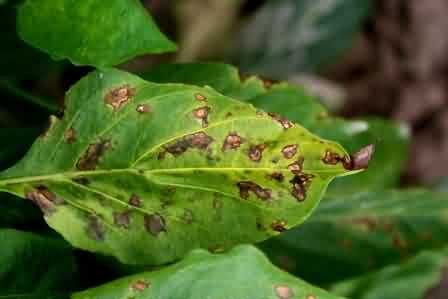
(35, 267)
(223, 78)
(91, 32)
(147, 172)
(244, 272)
(422, 277)
(292, 36)
(391, 139)
(352, 235)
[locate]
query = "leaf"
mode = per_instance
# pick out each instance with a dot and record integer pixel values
(223, 78)
(422, 277)
(91, 32)
(392, 143)
(14, 143)
(35, 267)
(204, 275)
(288, 36)
(147, 172)
(355, 234)
(391, 139)
(15, 55)
(20, 214)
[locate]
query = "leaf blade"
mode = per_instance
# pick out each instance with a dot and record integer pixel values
(91, 32)
(131, 182)
(203, 275)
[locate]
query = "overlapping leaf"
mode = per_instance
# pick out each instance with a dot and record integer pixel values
(244, 272)
(35, 267)
(293, 36)
(223, 78)
(352, 235)
(147, 172)
(422, 277)
(91, 32)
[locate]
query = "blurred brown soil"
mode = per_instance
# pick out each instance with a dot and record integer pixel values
(399, 69)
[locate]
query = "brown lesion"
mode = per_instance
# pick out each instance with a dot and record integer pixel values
(290, 151)
(140, 285)
(143, 108)
(118, 97)
(70, 135)
(300, 185)
(89, 160)
(283, 292)
(200, 97)
(155, 224)
(122, 219)
(357, 161)
(301, 181)
(247, 186)
(44, 199)
(135, 201)
(256, 152)
(232, 142)
(200, 141)
(284, 122)
(202, 113)
(297, 167)
(276, 176)
(279, 226)
(95, 228)
(52, 121)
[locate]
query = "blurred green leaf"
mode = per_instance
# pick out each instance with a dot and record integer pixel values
(97, 33)
(20, 214)
(422, 277)
(354, 234)
(35, 267)
(8, 87)
(291, 36)
(14, 143)
(223, 78)
(17, 59)
(244, 272)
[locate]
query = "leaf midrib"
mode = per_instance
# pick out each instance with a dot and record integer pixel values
(75, 174)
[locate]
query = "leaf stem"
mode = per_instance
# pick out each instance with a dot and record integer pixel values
(12, 89)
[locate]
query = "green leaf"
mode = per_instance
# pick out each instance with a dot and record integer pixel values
(20, 214)
(391, 138)
(244, 272)
(422, 277)
(91, 32)
(16, 57)
(360, 233)
(223, 78)
(292, 36)
(147, 172)
(392, 143)
(14, 143)
(35, 267)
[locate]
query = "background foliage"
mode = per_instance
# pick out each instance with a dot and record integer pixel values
(332, 67)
